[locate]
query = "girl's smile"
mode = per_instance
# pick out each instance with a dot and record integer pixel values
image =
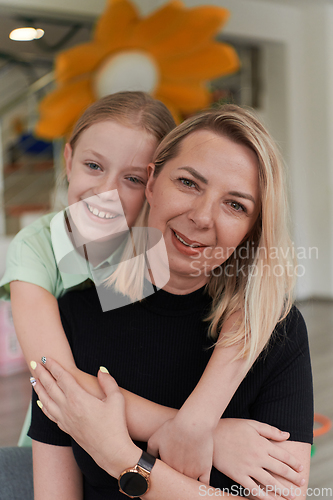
(107, 173)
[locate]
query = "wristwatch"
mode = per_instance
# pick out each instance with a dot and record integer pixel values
(134, 482)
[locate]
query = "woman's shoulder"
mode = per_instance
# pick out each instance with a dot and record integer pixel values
(289, 339)
(292, 326)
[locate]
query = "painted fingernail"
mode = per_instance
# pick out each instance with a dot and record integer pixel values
(103, 369)
(43, 360)
(33, 381)
(33, 365)
(40, 404)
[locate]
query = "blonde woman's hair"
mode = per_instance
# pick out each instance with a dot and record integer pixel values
(259, 276)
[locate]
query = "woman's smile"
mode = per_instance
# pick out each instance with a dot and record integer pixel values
(204, 201)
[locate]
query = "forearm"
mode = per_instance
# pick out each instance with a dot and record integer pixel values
(217, 384)
(165, 482)
(56, 473)
(38, 325)
(144, 417)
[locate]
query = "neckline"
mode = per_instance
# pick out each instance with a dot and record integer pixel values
(165, 301)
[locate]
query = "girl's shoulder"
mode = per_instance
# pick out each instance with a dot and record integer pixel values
(30, 258)
(40, 228)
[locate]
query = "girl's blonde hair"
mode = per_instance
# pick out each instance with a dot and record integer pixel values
(134, 109)
(258, 278)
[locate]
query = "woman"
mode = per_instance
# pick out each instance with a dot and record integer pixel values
(215, 189)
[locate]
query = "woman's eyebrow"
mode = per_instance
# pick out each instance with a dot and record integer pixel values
(195, 174)
(242, 195)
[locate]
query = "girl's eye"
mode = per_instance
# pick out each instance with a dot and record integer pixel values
(187, 182)
(93, 166)
(237, 206)
(135, 180)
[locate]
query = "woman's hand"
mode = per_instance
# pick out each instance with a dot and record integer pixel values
(99, 426)
(186, 447)
(244, 450)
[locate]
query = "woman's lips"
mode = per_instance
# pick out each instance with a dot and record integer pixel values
(185, 245)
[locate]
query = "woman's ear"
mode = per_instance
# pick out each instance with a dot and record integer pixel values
(68, 154)
(150, 182)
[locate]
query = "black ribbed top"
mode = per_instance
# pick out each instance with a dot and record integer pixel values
(158, 348)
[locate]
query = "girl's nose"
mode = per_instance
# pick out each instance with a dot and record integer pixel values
(107, 195)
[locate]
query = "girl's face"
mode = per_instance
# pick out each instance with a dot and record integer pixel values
(205, 201)
(107, 174)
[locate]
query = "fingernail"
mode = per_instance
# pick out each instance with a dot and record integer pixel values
(33, 365)
(40, 404)
(43, 360)
(300, 468)
(303, 481)
(33, 381)
(103, 369)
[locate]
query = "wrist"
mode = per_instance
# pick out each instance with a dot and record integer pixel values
(195, 420)
(125, 458)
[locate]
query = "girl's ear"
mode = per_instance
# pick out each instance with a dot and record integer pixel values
(68, 160)
(150, 182)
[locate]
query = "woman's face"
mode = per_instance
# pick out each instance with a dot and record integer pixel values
(107, 173)
(205, 201)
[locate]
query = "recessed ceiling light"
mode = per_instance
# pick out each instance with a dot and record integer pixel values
(26, 34)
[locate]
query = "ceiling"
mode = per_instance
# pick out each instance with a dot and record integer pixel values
(60, 33)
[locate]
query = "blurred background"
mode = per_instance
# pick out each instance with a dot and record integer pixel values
(286, 52)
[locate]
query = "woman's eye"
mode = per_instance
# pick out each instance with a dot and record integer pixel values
(187, 182)
(237, 206)
(93, 166)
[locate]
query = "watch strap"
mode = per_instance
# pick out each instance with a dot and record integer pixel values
(146, 461)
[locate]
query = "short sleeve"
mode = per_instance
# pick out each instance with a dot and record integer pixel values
(286, 398)
(42, 429)
(30, 258)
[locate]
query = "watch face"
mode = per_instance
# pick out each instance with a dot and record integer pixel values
(133, 484)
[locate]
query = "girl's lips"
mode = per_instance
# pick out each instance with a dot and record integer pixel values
(185, 250)
(97, 216)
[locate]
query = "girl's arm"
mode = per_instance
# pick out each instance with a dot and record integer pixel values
(56, 473)
(186, 441)
(39, 330)
(94, 421)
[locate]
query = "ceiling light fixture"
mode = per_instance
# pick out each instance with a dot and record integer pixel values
(26, 34)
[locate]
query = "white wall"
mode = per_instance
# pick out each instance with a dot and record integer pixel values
(297, 43)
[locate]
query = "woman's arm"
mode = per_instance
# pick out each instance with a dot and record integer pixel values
(40, 332)
(56, 473)
(114, 451)
(74, 410)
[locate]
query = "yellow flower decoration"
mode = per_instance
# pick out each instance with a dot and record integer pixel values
(171, 54)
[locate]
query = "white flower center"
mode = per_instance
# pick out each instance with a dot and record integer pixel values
(130, 70)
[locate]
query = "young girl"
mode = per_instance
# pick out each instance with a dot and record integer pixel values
(110, 149)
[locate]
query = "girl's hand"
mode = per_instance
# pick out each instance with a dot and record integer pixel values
(247, 451)
(99, 426)
(185, 446)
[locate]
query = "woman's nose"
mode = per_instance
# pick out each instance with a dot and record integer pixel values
(202, 212)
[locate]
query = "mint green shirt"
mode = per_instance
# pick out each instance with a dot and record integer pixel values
(35, 252)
